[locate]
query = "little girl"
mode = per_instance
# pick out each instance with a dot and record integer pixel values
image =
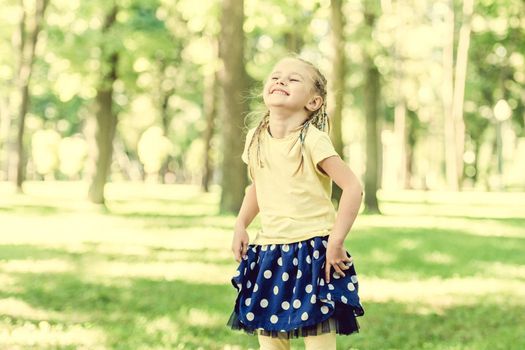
(296, 279)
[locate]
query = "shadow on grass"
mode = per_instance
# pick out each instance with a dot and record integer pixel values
(145, 313)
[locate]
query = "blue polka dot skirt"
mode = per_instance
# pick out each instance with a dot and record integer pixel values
(282, 292)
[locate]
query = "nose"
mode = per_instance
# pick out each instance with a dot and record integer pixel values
(279, 81)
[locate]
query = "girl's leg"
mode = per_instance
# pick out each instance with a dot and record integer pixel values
(270, 343)
(324, 341)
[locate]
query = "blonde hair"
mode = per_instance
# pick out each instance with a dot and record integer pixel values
(318, 118)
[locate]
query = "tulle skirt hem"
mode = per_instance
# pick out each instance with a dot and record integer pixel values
(342, 322)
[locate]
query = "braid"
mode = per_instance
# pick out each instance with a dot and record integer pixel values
(319, 118)
(263, 124)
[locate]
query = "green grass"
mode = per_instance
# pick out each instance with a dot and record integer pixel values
(437, 271)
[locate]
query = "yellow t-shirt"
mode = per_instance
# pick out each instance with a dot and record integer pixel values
(292, 208)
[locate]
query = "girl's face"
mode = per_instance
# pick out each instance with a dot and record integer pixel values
(290, 87)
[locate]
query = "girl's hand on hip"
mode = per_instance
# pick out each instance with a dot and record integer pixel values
(240, 243)
(336, 257)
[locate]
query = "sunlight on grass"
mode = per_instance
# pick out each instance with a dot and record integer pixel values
(506, 270)
(36, 266)
(186, 271)
(484, 228)
(45, 334)
(198, 317)
(18, 308)
(441, 293)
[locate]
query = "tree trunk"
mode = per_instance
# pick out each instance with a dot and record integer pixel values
(400, 132)
(459, 86)
(448, 96)
(27, 57)
(5, 127)
(372, 97)
(210, 107)
(106, 121)
(338, 80)
(234, 87)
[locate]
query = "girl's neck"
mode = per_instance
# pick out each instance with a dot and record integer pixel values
(282, 125)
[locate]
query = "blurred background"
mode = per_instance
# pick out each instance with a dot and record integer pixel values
(122, 123)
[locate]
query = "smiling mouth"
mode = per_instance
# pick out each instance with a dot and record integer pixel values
(279, 92)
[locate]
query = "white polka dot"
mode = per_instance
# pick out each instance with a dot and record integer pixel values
(321, 282)
(248, 301)
(300, 245)
(316, 254)
(254, 250)
(280, 261)
(329, 296)
(255, 288)
(344, 299)
(286, 247)
(267, 274)
(245, 257)
(331, 286)
(274, 319)
(285, 276)
(324, 309)
(275, 290)
(313, 299)
(245, 269)
(353, 278)
(239, 286)
(264, 248)
(331, 303)
(264, 303)
(308, 288)
(295, 262)
(237, 273)
(349, 264)
(325, 243)
(272, 247)
(285, 305)
(312, 243)
(336, 276)
(304, 316)
(248, 284)
(250, 316)
(299, 274)
(252, 265)
(308, 259)
(297, 303)
(351, 287)
(293, 290)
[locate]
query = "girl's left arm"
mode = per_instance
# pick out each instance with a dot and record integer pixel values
(349, 205)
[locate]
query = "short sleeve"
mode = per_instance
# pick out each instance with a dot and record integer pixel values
(323, 148)
(249, 136)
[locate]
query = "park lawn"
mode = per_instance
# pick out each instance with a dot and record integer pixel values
(439, 271)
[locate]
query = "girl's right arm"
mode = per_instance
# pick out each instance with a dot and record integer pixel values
(247, 213)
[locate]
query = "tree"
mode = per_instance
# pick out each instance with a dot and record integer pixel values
(27, 57)
(338, 81)
(372, 96)
(234, 85)
(105, 116)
